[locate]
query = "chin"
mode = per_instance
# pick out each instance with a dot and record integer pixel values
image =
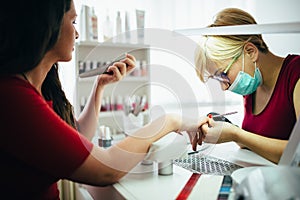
(66, 58)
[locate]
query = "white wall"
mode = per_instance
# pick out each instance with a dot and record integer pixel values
(267, 11)
(178, 14)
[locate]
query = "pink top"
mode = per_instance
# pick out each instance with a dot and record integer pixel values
(37, 147)
(278, 117)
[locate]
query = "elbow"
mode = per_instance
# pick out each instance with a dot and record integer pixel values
(109, 179)
(275, 158)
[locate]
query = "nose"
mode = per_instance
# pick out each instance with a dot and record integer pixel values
(76, 34)
(224, 86)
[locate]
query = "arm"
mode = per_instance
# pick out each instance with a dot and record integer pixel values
(296, 98)
(220, 132)
(88, 119)
(269, 148)
(56, 149)
(119, 159)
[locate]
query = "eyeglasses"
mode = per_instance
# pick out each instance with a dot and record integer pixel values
(222, 76)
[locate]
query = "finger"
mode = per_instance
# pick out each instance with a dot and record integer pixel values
(120, 69)
(203, 137)
(129, 63)
(178, 132)
(130, 57)
(204, 120)
(205, 128)
(211, 121)
(200, 135)
(195, 141)
(200, 142)
(114, 72)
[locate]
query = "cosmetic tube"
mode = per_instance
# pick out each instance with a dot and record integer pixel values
(118, 23)
(84, 23)
(127, 26)
(140, 22)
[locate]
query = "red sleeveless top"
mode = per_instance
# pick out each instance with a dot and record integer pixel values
(278, 117)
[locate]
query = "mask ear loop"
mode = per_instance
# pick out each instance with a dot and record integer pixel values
(243, 67)
(230, 64)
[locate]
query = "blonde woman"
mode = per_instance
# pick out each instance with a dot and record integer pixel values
(269, 84)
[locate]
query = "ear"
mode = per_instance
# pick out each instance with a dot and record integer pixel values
(251, 51)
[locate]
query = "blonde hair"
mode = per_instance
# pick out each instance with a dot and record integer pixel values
(218, 48)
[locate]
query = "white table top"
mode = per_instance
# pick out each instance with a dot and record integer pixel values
(150, 185)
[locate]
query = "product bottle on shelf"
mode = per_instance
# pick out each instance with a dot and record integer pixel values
(105, 139)
(88, 24)
(94, 26)
(144, 69)
(119, 103)
(107, 28)
(84, 23)
(118, 23)
(137, 71)
(127, 26)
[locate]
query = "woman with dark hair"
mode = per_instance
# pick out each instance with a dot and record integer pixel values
(41, 142)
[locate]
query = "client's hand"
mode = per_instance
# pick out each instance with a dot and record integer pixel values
(194, 130)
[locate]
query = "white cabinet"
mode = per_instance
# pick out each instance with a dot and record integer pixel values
(135, 85)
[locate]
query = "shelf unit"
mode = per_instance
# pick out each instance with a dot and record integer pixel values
(135, 83)
(287, 28)
(272, 28)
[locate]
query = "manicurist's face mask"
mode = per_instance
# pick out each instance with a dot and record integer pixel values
(245, 84)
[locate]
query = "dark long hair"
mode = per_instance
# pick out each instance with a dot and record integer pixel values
(52, 90)
(28, 30)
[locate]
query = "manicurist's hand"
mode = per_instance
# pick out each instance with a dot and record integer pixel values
(118, 70)
(219, 132)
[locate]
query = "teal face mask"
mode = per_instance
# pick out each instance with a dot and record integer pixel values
(245, 84)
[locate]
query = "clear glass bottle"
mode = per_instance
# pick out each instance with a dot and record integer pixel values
(94, 26)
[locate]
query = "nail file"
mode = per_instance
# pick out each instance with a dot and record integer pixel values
(100, 70)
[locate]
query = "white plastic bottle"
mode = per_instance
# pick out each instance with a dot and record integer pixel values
(118, 24)
(127, 25)
(84, 23)
(107, 28)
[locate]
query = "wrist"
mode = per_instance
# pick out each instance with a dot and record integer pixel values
(236, 133)
(99, 84)
(174, 122)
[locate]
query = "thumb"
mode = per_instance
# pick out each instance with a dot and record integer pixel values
(211, 122)
(205, 127)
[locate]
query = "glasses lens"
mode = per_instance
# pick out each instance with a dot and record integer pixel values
(206, 76)
(221, 76)
(224, 77)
